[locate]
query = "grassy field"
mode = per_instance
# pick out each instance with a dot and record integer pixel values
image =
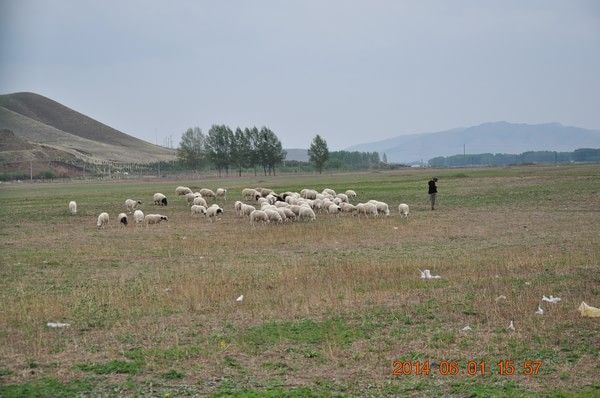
(328, 306)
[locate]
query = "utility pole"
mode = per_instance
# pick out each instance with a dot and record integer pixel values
(30, 170)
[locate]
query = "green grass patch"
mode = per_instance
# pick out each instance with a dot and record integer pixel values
(46, 387)
(114, 366)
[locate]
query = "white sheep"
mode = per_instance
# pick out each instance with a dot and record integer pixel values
(213, 211)
(264, 191)
(198, 209)
(333, 209)
(382, 207)
(273, 215)
(159, 199)
(367, 209)
(73, 207)
(221, 193)
(282, 213)
(403, 209)
(155, 218)
(295, 209)
(131, 204)
(246, 210)
(199, 201)
(262, 200)
(306, 213)
(237, 206)
(328, 192)
(347, 208)
(350, 193)
(250, 193)
(207, 193)
(102, 220)
(343, 197)
(122, 217)
(289, 214)
(182, 190)
(138, 216)
(258, 215)
(308, 194)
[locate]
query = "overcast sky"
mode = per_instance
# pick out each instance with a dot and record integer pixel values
(352, 71)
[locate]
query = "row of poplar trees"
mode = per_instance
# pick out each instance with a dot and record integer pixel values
(228, 150)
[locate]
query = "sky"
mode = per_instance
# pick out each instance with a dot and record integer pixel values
(351, 71)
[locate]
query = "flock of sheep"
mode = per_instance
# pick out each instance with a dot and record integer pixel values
(269, 206)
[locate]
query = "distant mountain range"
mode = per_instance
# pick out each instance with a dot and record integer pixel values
(45, 129)
(497, 137)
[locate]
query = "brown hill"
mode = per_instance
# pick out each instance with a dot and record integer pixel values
(41, 120)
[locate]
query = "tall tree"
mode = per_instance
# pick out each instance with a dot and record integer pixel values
(241, 150)
(191, 148)
(253, 135)
(219, 144)
(318, 152)
(270, 151)
(384, 159)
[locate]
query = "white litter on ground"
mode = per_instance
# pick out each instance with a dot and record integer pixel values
(466, 328)
(501, 297)
(240, 299)
(589, 311)
(57, 325)
(511, 326)
(539, 311)
(551, 299)
(426, 274)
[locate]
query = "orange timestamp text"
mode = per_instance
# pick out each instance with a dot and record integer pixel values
(504, 367)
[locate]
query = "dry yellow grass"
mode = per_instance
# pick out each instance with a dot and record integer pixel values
(327, 305)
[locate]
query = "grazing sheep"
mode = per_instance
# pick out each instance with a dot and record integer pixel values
(333, 209)
(347, 208)
(308, 194)
(155, 218)
(213, 211)
(273, 215)
(258, 215)
(131, 204)
(160, 199)
(350, 193)
(289, 214)
(343, 197)
(250, 193)
(262, 200)
(138, 216)
(102, 220)
(282, 213)
(306, 213)
(73, 207)
(237, 206)
(207, 193)
(295, 209)
(199, 201)
(122, 217)
(271, 199)
(367, 209)
(403, 209)
(264, 191)
(197, 209)
(382, 207)
(182, 190)
(246, 210)
(328, 192)
(221, 193)
(281, 204)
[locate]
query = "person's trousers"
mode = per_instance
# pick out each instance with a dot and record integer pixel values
(432, 199)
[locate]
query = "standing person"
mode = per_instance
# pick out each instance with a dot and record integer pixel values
(432, 191)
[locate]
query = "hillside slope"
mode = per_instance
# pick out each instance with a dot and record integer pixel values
(498, 137)
(42, 120)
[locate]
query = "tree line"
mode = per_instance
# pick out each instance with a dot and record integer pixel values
(504, 159)
(226, 150)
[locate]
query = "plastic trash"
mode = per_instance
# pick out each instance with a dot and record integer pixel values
(426, 274)
(539, 311)
(501, 297)
(551, 299)
(588, 311)
(57, 325)
(511, 326)
(466, 328)
(240, 299)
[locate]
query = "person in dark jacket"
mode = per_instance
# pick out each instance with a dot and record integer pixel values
(432, 192)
